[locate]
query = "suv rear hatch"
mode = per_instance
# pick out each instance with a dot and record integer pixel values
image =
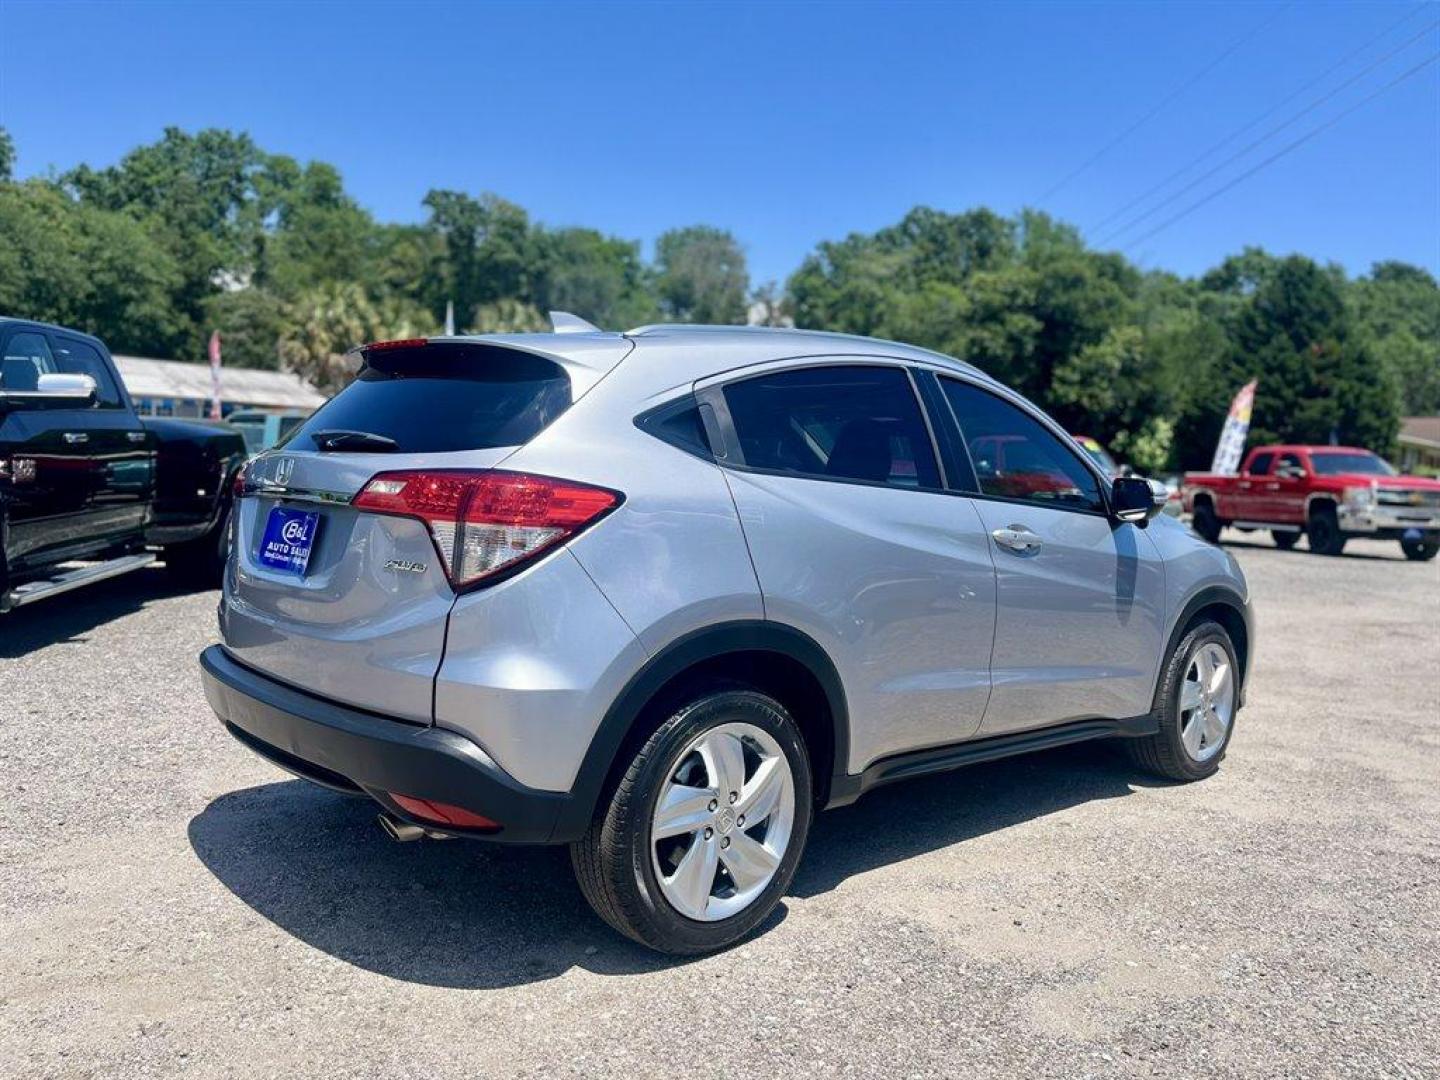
(349, 601)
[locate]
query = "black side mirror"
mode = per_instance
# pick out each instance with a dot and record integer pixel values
(1133, 499)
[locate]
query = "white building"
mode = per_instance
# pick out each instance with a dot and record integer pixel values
(172, 388)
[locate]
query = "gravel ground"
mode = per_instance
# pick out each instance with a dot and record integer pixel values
(171, 905)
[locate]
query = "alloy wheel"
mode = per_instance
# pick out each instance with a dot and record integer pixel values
(722, 821)
(1207, 702)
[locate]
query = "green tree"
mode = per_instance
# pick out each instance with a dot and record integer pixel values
(508, 316)
(488, 248)
(195, 195)
(769, 306)
(1397, 307)
(7, 157)
(97, 271)
(600, 278)
(1110, 386)
(251, 322)
(317, 233)
(700, 275)
(1317, 377)
(325, 323)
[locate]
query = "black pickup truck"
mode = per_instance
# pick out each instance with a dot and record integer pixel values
(88, 488)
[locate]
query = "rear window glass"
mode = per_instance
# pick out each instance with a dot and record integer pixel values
(445, 397)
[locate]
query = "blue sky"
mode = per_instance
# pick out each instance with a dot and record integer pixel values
(785, 123)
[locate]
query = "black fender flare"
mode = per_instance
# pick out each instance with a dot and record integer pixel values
(747, 635)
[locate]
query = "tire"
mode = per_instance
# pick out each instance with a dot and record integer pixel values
(201, 562)
(1323, 531)
(1205, 523)
(1284, 540)
(618, 864)
(1420, 550)
(1169, 753)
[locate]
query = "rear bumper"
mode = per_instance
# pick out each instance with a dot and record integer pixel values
(361, 753)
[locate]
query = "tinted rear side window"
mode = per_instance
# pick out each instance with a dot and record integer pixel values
(847, 422)
(78, 358)
(680, 425)
(445, 397)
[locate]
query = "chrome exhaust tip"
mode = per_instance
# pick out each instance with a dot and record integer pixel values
(402, 832)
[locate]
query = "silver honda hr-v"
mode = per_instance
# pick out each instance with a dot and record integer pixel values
(663, 595)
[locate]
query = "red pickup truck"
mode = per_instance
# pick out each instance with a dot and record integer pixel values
(1329, 493)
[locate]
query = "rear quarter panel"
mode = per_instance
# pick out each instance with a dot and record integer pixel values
(672, 558)
(532, 665)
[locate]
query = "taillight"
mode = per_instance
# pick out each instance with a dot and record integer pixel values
(488, 523)
(237, 486)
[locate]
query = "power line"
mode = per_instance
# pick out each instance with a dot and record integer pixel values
(1263, 116)
(1283, 151)
(1115, 233)
(1118, 139)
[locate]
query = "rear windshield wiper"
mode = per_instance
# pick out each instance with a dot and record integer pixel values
(363, 441)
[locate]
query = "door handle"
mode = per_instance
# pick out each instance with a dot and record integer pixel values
(1018, 538)
(74, 437)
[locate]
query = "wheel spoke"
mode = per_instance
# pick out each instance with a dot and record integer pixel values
(724, 759)
(682, 810)
(695, 876)
(1191, 735)
(1214, 729)
(750, 862)
(761, 793)
(1204, 667)
(1219, 675)
(1221, 691)
(1189, 695)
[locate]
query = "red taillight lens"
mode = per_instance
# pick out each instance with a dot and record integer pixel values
(237, 486)
(443, 813)
(484, 523)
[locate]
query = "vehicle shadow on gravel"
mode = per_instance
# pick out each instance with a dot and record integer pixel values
(452, 913)
(474, 915)
(74, 615)
(909, 819)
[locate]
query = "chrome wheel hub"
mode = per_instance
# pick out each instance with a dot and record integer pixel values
(1207, 702)
(722, 821)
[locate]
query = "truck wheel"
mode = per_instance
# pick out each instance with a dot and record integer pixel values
(704, 831)
(1420, 550)
(1194, 707)
(201, 562)
(1284, 540)
(1324, 532)
(1205, 523)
